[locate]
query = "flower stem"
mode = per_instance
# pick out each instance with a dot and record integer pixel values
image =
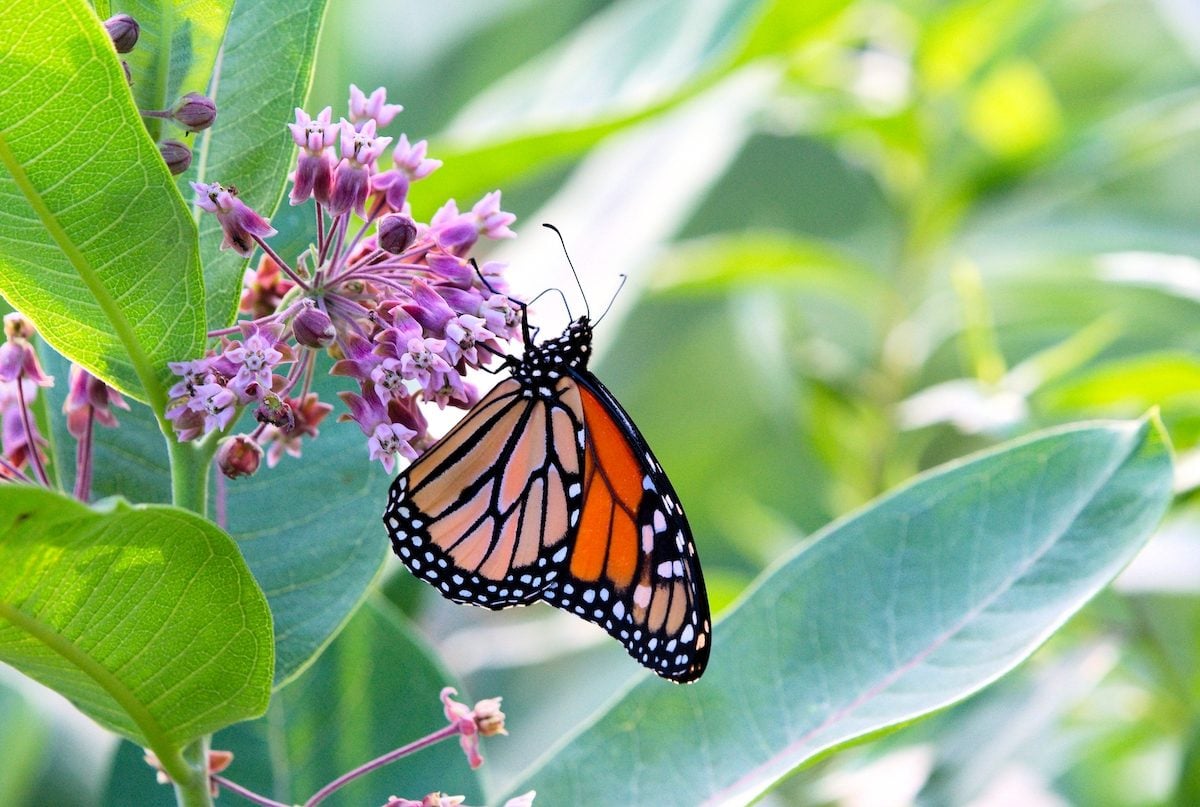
(35, 454)
(83, 459)
(248, 795)
(379, 762)
(281, 263)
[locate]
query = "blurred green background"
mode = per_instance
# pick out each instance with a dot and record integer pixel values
(863, 238)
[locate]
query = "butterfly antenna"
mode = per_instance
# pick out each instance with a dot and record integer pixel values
(586, 308)
(525, 335)
(608, 308)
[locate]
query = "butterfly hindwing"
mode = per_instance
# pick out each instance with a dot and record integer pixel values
(633, 568)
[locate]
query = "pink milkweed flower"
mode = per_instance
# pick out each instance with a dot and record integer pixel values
(384, 424)
(351, 179)
(453, 231)
(239, 456)
(463, 333)
(216, 402)
(490, 219)
(18, 360)
(409, 164)
(240, 224)
(14, 439)
(194, 374)
(485, 720)
(254, 359)
(89, 396)
(365, 108)
(314, 169)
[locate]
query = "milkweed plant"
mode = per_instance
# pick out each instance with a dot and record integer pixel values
(161, 335)
(399, 305)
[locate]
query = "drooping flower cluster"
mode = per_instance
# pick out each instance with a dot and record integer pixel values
(398, 304)
(22, 447)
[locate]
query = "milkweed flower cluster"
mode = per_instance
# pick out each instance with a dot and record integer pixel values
(89, 400)
(399, 304)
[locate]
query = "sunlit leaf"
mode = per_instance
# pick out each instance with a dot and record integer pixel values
(146, 618)
(97, 247)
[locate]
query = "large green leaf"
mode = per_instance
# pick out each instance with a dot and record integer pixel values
(96, 247)
(313, 553)
(925, 596)
(145, 617)
(264, 73)
(375, 689)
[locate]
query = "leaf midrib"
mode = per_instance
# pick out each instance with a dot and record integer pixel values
(87, 273)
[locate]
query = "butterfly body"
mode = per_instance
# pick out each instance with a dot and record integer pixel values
(547, 491)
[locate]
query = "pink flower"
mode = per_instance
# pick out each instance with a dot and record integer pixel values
(254, 359)
(484, 720)
(351, 180)
(314, 169)
(463, 333)
(372, 109)
(89, 396)
(14, 439)
(240, 224)
(217, 403)
(388, 440)
(490, 219)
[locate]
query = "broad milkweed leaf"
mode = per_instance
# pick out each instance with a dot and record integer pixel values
(911, 604)
(375, 689)
(96, 245)
(146, 618)
(264, 72)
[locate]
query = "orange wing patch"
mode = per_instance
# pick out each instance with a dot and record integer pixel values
(607, 542)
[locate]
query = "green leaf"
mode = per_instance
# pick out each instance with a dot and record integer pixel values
(375, 689)
(25, 740)
(97, 247)
(145, 617)
(176, 50)
(912, 604)
(309, 528)
(263, 75)
(643, 61)
(311, 532)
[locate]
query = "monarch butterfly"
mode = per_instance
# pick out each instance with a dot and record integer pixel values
(546, 490)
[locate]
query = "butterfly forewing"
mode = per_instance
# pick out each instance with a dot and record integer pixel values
(482, 515)
(546, 490)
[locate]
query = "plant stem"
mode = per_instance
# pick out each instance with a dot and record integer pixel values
(189, 474)
(248, 795)
(194, 792)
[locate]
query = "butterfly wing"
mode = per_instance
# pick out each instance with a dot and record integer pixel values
(560, 499)
(632, 568)
(485, 514)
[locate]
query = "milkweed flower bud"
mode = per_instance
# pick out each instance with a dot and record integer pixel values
(239, 456)
(396, 233)
(123, 30)
(176, 155)
(195, 112)
(313, 328)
